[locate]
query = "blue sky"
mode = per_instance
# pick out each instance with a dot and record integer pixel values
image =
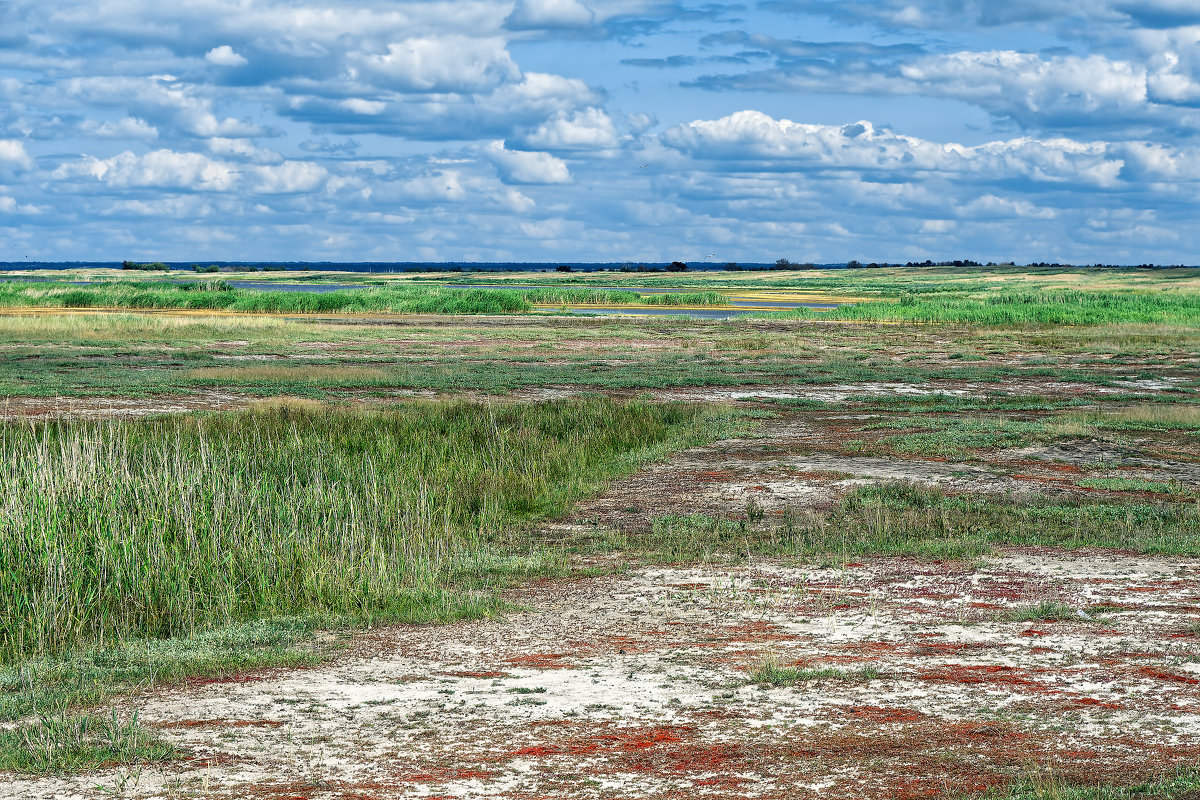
(600, 130)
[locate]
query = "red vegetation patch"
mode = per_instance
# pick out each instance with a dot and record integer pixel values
(1092, 702)
(248, 676)
(882, 715)
(541, 661)
(442, 775)
(993, 674)
(1151, 672)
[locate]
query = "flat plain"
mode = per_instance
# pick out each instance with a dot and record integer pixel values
(940, 541)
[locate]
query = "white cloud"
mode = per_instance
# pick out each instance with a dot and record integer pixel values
(127, 128)
(519, 166)
(440, 64)
(9, 205)
(360, 105)
(533, 14)
(588, 129)
(769, 145)
(12, 153)
(162, 168)
(1029, 86)
(224, 56)
(290, 177)
(243, 149)
(159, 99)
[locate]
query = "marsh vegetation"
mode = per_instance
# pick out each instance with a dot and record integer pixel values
(306, 493)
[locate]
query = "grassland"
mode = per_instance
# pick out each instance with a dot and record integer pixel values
(170, 526)
(218, 295)
(1052, 411)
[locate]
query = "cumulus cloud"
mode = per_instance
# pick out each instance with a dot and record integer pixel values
(219, 123)
(507, 110)
(520, 166)
(126, 128)
(160, 100)
(290, 177)
(1040, 93)
(13, 155)
(224, 56)
(941, 15)
(160, 169)
(761, 143)
(533, 14)
(589, 129)
(440, 64)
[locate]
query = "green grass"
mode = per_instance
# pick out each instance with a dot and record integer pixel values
(67, 743)
(87, 674)
(1181, 785)
(216, 294)
(1045, 611)
(169, 526)
(685, 299)
(957, 436)
(771, 673)
(923, 522)
(1064, 307)
(1132, 485)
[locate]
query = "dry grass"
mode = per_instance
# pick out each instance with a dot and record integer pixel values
(1172, 415)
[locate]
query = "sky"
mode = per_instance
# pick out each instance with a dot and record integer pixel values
(600, 130)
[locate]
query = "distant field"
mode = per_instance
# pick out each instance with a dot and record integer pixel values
(217, 295)
(995, 296)
(986, 482)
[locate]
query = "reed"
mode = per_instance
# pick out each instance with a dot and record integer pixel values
(170, 525)
(221, 296)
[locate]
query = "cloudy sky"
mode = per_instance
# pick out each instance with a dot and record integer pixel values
(600, 130)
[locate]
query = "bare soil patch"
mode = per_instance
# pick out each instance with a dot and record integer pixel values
(639, 686)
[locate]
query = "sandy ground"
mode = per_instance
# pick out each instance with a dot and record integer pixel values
(100, 407)
(639, 686)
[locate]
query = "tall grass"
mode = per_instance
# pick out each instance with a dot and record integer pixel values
(1066, 307)
(165, 526)
(219, 295)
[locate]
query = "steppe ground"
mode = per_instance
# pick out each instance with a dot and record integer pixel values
(936, 560)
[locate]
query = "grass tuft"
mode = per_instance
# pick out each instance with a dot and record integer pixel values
(65, 742)
(770, 672)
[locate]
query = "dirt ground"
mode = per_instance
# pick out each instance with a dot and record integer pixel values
(638, 686)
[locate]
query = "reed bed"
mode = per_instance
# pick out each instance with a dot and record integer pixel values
(1066, 307)
(218, 295)
(171, 525)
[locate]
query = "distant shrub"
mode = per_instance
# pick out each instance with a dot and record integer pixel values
(562, 268)
(245, 268)
(676, 266)
(274, 268)
(154, 266)
(217, 285)
(783, 263)
(733, 266)
(209, 268)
